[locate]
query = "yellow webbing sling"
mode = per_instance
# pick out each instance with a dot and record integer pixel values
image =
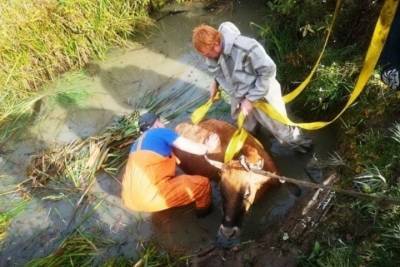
(374, 50)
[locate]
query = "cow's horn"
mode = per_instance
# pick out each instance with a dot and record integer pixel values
(216, 164)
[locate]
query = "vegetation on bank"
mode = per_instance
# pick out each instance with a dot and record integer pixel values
(41, 39)
(85, 249)
(357, 232)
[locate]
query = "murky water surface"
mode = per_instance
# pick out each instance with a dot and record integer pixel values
(163, 62)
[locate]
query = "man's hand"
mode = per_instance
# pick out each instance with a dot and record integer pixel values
(212, 142)
(213, 89)
(246, 106)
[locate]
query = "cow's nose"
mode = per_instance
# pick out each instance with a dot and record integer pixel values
(228, 237)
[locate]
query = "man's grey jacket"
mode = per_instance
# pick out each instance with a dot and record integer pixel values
(244, 70)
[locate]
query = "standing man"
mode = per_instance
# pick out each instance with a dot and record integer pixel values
(150, 183)
(243, 69)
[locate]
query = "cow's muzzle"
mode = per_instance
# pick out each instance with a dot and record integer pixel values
(228, 237)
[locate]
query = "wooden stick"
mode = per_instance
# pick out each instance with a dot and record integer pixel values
(327, 187)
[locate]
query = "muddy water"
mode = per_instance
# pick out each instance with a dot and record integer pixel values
(162, 62)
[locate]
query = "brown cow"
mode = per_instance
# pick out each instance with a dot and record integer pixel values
(239, 188)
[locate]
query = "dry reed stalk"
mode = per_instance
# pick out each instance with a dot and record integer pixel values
(78, 162)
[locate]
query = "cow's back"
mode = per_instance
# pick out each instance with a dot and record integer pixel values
(193, 164)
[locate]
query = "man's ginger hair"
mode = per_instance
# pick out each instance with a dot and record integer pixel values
(205, 37)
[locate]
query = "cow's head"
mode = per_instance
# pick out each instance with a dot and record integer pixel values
(239, 187)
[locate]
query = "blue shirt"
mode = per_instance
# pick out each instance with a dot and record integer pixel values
(158, 140)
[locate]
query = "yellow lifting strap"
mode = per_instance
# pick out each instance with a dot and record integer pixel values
(293, 94)
(375, 48)
(201, 111)
(237, 139)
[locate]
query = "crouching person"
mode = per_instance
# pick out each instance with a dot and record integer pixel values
(149, 182)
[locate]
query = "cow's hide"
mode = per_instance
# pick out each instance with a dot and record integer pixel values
(193, 164)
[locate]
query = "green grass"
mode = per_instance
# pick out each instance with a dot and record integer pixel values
(41, 39)
(356, 232)
(86, 249)
(118, 262)
(295, 48)
(374, 232)
(373, 147)
(338, 256)
(79, 249)
(330, 89)
(151, 256)
(371, 180)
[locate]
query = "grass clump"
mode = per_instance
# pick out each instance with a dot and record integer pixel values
(330, 90)
(87, 249)
(338, 256)
(152, 255)
(365, 152)
(118, 262)
(79, 249)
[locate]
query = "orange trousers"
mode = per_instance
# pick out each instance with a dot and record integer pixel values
(149, 184)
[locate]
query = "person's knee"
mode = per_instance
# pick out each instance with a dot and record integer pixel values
(206, 184)
(199, 185)
(203, 180)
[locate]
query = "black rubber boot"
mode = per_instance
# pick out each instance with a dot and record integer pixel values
(303, 147)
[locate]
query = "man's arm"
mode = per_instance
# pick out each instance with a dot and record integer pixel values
(189, 146)
(265, 70)
(215, 70)
(213, 88)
